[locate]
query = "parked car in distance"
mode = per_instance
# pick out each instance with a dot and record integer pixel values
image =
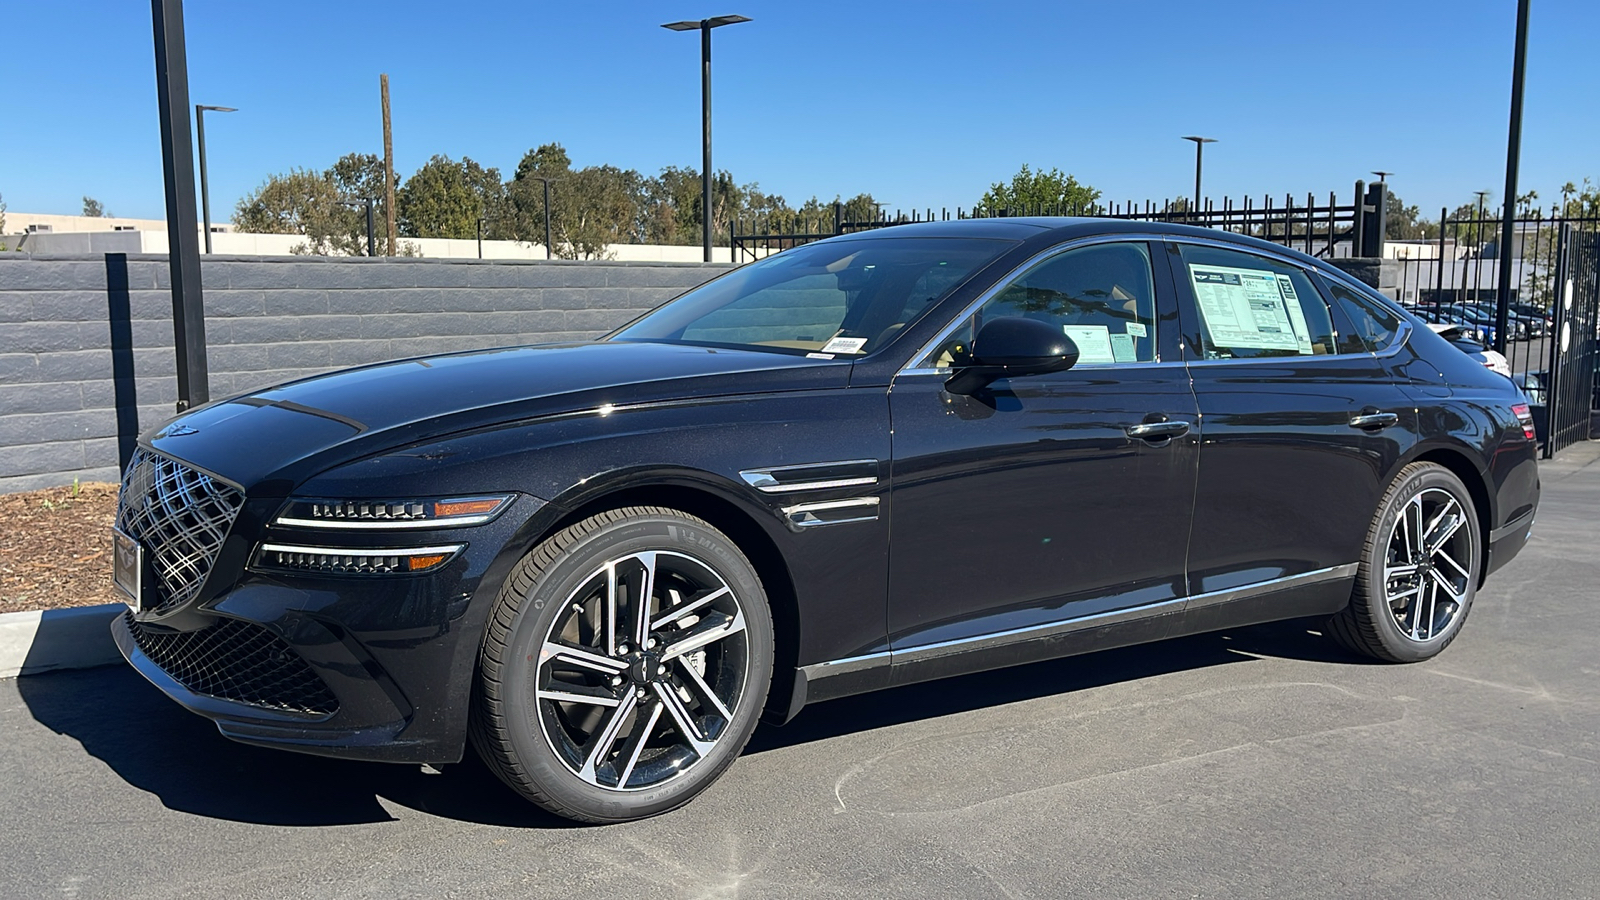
(873, 460)
(1469, 330)
(1493, 360)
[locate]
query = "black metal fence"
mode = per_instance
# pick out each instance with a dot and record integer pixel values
(1321, 228)
(1547, 327)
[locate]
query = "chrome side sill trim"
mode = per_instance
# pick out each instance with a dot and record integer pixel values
(926, 652)
(1033, 632)
(845, 666)
(1304, 579)
(1512, 527)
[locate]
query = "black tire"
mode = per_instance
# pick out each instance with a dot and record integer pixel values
(1372, 625)
(517, 728)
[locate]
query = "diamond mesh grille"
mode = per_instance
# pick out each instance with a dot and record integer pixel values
(239, 661)
(180, 516)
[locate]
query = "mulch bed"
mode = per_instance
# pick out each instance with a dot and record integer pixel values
(55, 547)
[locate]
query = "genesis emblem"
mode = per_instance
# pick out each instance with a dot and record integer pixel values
(177, 431)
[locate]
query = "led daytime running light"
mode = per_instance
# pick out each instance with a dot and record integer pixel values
(383, 515)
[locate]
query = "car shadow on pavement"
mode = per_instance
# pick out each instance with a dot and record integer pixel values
(156, 746)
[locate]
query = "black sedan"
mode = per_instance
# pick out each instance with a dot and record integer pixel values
(863, 462)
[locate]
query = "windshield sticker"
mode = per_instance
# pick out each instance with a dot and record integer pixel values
(1094, 343)
(1249, 309)
(1122, 347)
(1137, 329)
(844, 345)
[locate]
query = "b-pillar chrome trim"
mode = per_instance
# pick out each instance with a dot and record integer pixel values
(925, 652)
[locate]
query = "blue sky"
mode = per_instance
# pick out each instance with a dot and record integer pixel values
(922, 104)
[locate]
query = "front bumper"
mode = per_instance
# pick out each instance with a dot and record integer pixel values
(369, 667)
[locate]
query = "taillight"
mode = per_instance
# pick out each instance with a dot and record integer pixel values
(1525, 416)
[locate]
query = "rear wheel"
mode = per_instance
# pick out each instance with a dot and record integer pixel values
(1419, 571)
(625, 666)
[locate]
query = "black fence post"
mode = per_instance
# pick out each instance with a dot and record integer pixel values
(1374, 216)
(124, 390)
(183, 226)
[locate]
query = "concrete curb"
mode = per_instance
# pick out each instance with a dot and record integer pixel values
(55, 639)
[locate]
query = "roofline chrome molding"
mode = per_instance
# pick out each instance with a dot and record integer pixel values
(924, 652)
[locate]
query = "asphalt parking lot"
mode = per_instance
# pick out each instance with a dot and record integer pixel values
(1260, 762)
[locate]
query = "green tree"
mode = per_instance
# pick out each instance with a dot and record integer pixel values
(590, 208)
(300, 201)
(1405, 223)
(1050, 190)
(93, 208)
(445, 199)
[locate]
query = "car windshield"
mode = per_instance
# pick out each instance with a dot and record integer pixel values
(840, 297)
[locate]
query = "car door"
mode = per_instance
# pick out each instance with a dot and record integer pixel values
(1301, 425)
(1037, 501)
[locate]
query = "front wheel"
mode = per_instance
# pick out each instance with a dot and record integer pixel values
(1419, 570)
(625, 666)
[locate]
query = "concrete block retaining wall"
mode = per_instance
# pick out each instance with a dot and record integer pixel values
(81, 334)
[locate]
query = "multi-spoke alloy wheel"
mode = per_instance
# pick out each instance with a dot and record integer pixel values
(1419, 571)
(641, 670)
(625, 665)
(1427, 573)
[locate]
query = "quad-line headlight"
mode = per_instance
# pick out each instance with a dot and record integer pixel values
(386, 515)
(353, 561)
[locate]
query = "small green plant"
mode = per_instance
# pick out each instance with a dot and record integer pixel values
(71, 498)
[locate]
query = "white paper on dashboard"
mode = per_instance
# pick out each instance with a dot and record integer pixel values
(1137, 329)
(844, 345)
(1249, 308)
(1122, 347)
(1094, 343)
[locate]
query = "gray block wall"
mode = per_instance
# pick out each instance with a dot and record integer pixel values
(268, 320)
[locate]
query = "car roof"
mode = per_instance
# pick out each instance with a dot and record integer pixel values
(1064, 228)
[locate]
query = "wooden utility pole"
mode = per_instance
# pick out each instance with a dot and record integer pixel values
(388, 168)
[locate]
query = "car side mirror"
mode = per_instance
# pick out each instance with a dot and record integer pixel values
(1013, 346)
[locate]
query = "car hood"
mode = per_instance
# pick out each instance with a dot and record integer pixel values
(276, 437)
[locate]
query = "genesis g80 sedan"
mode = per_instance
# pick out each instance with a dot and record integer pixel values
(868, 461)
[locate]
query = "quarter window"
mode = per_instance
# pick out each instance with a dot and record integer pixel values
(1102, 296)
(1250, 306)
(1375, 326)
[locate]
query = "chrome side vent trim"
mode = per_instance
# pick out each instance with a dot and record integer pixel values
(813, 476)
(832, 512)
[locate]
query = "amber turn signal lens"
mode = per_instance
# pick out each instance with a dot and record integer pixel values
(466, 507)
(423, 563)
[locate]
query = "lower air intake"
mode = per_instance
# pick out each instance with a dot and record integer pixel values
(239, 661)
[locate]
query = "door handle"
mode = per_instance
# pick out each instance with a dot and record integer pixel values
(1157, 431)
(1376, 421)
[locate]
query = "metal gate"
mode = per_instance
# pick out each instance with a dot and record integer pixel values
(1570, 389)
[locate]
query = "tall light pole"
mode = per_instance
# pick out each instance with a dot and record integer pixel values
(1199, 150)
(1508, 226)
(705, 26)
(205, 192)
(547, 179)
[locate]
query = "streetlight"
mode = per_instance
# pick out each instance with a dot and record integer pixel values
(547, 179)
(705, 26)
(1199, 148)
(205, 194)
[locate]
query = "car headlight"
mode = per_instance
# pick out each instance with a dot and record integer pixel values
(386, 515)
(353, 561)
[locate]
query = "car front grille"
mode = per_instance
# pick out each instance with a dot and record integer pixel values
(180, 516)
(239, 661)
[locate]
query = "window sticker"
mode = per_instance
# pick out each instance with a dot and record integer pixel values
(844, 345)
(1094, 343)
(1249, 308)
(1122, 347)
(1137, 329)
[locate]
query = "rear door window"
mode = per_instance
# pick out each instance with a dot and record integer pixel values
(1250, 306)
